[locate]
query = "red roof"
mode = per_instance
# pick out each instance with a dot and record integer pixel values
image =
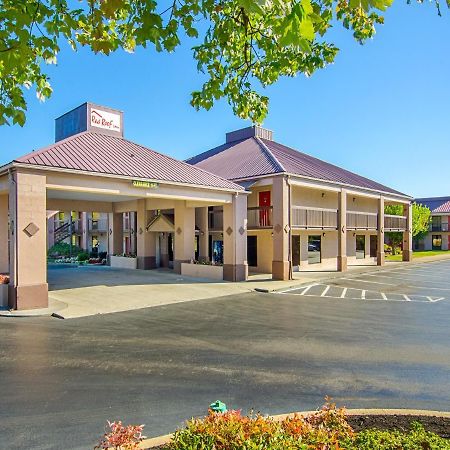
(254, 157)
(100, 153)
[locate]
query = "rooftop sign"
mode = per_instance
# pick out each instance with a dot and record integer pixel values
(106, 120)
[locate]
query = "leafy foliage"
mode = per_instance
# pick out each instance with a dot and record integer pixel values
(64, 249)
(121, 437)
(420, 223)
(327, 429)
(238, 44)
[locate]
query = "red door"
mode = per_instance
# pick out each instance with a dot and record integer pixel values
(264, 205)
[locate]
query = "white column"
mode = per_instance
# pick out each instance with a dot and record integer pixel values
(146, 240)
(342, 231)
(201, 220)
(380, 232)
(184, 236)
(4, 253)
(407, 234)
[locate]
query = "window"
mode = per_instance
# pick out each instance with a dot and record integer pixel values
(61, 216)
(437, 242)
(314, 249)
(360, 246)
(436, 223)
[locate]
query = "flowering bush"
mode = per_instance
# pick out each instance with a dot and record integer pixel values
(324, 430)
(121, 437)
(4, 279)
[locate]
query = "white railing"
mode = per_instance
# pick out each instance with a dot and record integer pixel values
(322, 218)
(358, 220)
(98, 225)
(259, 217)
(395, 223)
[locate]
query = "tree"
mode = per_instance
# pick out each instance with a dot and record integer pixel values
(238, 44)
(420, 223)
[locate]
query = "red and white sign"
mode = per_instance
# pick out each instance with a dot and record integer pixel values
(105, 120)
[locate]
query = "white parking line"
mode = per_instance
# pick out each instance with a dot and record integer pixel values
(325, 291)
(363, 294)
(406, 298)
(344, 292)
(383, 295)
(308, 288)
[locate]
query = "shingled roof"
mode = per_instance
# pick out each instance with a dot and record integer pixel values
(254, 156)
(438, 205)
(111, 155)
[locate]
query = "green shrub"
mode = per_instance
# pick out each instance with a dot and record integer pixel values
(63, 249)
(326, 429)
(83, 256)
(417, 439)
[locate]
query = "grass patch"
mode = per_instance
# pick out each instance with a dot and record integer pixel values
(418, 254)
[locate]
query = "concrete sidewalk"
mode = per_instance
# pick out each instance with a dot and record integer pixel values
(90, 290)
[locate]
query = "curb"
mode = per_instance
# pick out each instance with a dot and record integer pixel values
(165, 439)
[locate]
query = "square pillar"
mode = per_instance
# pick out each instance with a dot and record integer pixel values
(164, 249)
(201, 220)
(85, 232)
(146, 240)
(133, 232)
(115, 232)
(342, 231)
(235, 267)
(28, 287)
(184, 236)
(380, 232)
(281, 266)
(407, 234)
(4, 252)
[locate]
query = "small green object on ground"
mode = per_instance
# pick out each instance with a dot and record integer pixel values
(218, 406)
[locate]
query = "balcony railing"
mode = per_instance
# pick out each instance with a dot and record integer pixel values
(215, 220)
(394, 223)
(100, 225)
(358, 220)
(259, 217)
(438, 227)
(319, 218)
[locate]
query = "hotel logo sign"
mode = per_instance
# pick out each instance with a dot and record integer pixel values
(106, 120)
(145, 184)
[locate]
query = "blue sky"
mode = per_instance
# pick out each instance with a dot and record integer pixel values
(382, 110)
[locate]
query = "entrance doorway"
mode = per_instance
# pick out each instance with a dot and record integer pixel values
(360, 246)
(314, 249)
(295, 250)
(252, 251)
(373, 246)
(264, 204)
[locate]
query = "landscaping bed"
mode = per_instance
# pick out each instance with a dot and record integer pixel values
(433, 424)
(329, 428)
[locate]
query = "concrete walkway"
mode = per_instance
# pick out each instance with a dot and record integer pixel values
(90, 290)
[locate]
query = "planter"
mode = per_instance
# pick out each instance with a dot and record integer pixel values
(202, 271)
(123, 262)
(4, 295)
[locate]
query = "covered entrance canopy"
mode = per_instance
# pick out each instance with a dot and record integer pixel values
(98, 170)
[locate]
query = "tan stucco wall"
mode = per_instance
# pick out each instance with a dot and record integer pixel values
(302, 196)
(264, 244)
(4, 260)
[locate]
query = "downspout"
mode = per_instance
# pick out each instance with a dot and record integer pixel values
(13, 230)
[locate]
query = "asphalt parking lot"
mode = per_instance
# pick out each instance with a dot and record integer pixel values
(62, 379)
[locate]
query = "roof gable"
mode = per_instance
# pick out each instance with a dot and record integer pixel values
(254, 156)
(100, 153)
(440, 205)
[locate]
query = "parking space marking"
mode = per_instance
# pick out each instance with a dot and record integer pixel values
(325, 291)
(321, 290)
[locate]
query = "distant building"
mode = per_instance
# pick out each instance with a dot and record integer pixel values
(437, 237)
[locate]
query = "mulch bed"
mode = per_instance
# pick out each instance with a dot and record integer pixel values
(437, 425)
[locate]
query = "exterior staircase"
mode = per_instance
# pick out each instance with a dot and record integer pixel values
(62, 232)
